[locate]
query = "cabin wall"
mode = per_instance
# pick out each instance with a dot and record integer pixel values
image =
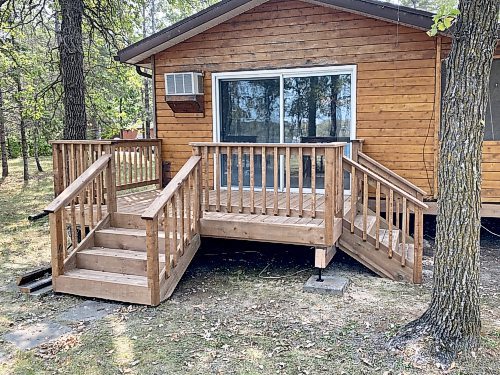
(396, 77)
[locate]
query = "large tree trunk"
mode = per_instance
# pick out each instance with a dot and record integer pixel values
(453, 319)
(3, 145)
(36, 142)
(71, 55)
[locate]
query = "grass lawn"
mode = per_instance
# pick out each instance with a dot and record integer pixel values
(239, 309)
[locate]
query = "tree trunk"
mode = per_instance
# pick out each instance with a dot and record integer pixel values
(71, 56)
(22, 122)
(453, 319)
(312, 107)
(3, 145)
(36, 139)
(147, 109)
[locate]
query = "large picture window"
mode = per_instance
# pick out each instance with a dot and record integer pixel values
(312, 105)
(492, 128)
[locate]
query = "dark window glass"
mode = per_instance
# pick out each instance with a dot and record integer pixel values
(492, 129)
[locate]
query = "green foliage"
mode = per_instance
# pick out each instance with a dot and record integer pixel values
(444, 19)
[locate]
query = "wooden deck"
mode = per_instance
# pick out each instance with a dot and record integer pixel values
(136, 246)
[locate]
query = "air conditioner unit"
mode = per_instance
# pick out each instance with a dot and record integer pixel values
(184, 92)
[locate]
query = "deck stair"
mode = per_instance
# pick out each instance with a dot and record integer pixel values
(140, 255)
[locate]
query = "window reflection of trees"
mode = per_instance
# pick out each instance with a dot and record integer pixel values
(317, 107)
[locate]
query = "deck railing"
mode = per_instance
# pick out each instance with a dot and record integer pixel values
(85, 192)
(177, 210)
(399, 207)
(137, 162)
(253, 173)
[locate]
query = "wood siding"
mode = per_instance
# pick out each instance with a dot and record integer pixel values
(396, 77)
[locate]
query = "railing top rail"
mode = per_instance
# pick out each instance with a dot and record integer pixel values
(157, 205)
(104, 141)
(383, 181)
(279, 145)
(76, 186)
(392, 174)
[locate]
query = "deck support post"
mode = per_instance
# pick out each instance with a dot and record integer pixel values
(152, 260)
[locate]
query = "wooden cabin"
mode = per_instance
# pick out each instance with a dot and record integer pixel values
(312, 123)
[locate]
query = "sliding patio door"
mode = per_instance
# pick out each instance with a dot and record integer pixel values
(314, 105)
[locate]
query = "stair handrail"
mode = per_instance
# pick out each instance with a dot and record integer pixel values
(361, 177)
(181, 220)
(93, 188)
(401, 182)
(76, 186)
(387, 183)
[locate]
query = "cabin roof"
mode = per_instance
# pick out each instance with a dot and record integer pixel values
(227, 9)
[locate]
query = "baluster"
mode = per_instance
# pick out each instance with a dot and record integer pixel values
(288, 178)
(397, 213)
(276, 183)
(181, 218)
(313, 181)
(136, 164)
(152, 161)
(217, 163)
(64, 170)
(63, 212)
(365, 206)
(403, 234)
(74, 238)
(166, 230)
(131, 166)
(417, 252)
(81, 199)
(99, 197)
(264, 183)
(173, 246)
(240, 178)
(229, 159)
(118, 166)
(252, 181)
(141, 166)
(377, 216)
(189, 207)
(301, 183)
(354, 196)
(91, 204)
(207, 178)
(81, 159)
(72, 163)
(390, 217)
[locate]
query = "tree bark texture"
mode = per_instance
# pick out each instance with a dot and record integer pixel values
(22, 127)
(3, 144)
(453, 318)
(71, 59)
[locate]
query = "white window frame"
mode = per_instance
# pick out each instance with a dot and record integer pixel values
(281, 74)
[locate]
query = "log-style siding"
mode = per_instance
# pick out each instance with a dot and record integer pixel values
(396, 77)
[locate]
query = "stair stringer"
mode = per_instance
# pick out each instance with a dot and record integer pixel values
(366, 253)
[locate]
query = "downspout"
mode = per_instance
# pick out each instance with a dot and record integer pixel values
(153, 85)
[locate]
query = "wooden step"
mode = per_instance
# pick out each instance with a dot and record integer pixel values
(114, 260)
(106, 285)
(370, 223)
(125, 238)
(384, 238)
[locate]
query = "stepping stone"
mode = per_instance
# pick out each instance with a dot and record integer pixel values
(335, 285)
(87, 311)
(37, 334)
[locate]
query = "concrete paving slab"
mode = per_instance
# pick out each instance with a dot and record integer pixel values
(87, 311)
(36, 334)
(335, 285)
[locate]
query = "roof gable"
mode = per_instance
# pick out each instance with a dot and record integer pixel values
(228, 9)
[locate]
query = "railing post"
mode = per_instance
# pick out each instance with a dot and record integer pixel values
(418, 246)
(56, 240)
(159, 166)
(198, 178)
(357, 147)
(58, 168)
(329, 194)
(152, 260)
(111, 182)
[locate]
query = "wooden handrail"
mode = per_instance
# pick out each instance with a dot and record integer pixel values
(406, 185)
(103, 141)
(76, 186)
(383, 181)
(256, 145)
(157, 205)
